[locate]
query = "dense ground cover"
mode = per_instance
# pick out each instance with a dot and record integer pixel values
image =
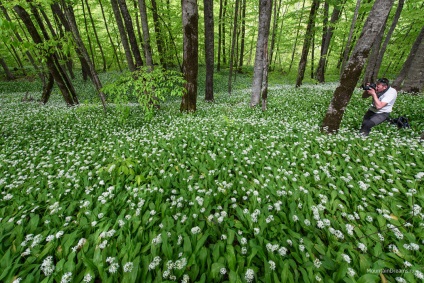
(226, 194)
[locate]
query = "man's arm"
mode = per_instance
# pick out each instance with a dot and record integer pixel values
(377, 103)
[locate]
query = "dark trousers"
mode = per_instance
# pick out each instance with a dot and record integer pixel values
(372, 119)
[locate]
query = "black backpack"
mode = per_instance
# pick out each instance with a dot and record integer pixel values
(401, 122)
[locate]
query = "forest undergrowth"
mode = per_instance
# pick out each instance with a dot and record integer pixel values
(226, 194)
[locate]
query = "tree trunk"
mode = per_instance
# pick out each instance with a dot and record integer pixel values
(373, 25)
(260, 72)
(349, 39)
(409, 61)
(414, 81)
(243, 35)
(328, 34)
(190, 17)
(60, 76)
(274, 30)
(130, 31)
(218, 66)
(61, 16)
(123, 35)
(233, 44)
(379, 60)
(307, 43)
(80, 45)
(209, 48)
(297, 36)
(146, 35)
(159, 35)
(47, 89)
(27, 53)
(96, 36)
(9, 75)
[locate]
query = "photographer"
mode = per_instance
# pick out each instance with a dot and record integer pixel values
(383, 98)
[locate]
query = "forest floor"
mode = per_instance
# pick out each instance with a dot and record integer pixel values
(228, 193)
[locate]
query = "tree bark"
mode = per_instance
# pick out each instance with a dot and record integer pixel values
(397, 84)
(414, 81)
(349, 39)
(130, 31)
(9, 75)
(243, 35)
(209, 48)
(159, 34)
(218, 66)
(350, 76)
(307, 43)
(260, 72)
(297, 35)
(146, 35)
(382, 51)
(233, 45)
(320, 74)
(190, 18)
(59, 75)
(96, 36)
(80, 45)
(123, 35)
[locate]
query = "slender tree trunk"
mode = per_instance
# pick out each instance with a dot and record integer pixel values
(9, 75)
(47, 89)
(53, 65)
(328, 34)
(209, 48)
(260, 75)
(90, 45)
(190, 16)
(123, 35)
(382, 51)
(297, 36)
(373, 25)
(223, 46)
(220, 19)
(414, 80)
(146, 35)
(349, 39)
(82, 50)
(99, 44)
(274, 30)
(40, 72)
(109, 36)
(408, 63)
(61, 16)
(159, 35)
(233, 45)
(307, 43)
(243, 35)
(130, 31)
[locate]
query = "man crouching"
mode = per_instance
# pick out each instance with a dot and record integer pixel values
(383, 98)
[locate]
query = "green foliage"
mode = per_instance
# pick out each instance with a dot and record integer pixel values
(231, 194)
(147, 87)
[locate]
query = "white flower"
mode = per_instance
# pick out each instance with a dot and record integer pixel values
(67, 277)
(362, 247)
(47, 267)
(128, 267)
(250, 275)
(271, 265)
(351, 272)
(223, 271)
(346, 258)
(317, 263)
(87, 278)
(196, 230)
(419, 274)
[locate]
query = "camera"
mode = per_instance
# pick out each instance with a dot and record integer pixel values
(368, 87)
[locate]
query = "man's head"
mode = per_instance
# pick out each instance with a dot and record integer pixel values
(382, 84)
